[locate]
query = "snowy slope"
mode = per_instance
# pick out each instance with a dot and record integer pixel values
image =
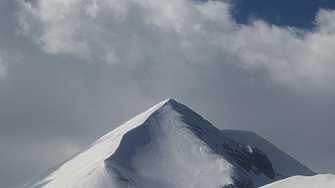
(318, 181)
(169, 145)
(87, 167)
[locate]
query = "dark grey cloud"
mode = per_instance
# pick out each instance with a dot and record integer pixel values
(75, 70)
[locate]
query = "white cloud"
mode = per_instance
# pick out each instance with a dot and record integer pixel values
(131, 33)
(129, 30)
(54, 25)
(295, 57)
(325, 22)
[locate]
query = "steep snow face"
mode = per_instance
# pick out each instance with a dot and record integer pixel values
(318, 181)
(169, 145)
(164, 152)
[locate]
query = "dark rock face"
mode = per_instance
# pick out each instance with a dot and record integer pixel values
(262, 163)
(256, 161)
(243, 183)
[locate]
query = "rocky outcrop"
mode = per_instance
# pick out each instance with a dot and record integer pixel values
(262, 164)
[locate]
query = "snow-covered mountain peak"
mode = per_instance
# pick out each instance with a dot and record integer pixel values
(168, 145)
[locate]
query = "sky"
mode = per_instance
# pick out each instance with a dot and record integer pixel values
(73, 70)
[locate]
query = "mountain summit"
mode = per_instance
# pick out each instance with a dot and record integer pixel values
(170, 145)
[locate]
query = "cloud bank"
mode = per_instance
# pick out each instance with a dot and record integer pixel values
(132, 33)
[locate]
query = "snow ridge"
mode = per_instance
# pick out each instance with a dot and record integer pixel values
(169, 145)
